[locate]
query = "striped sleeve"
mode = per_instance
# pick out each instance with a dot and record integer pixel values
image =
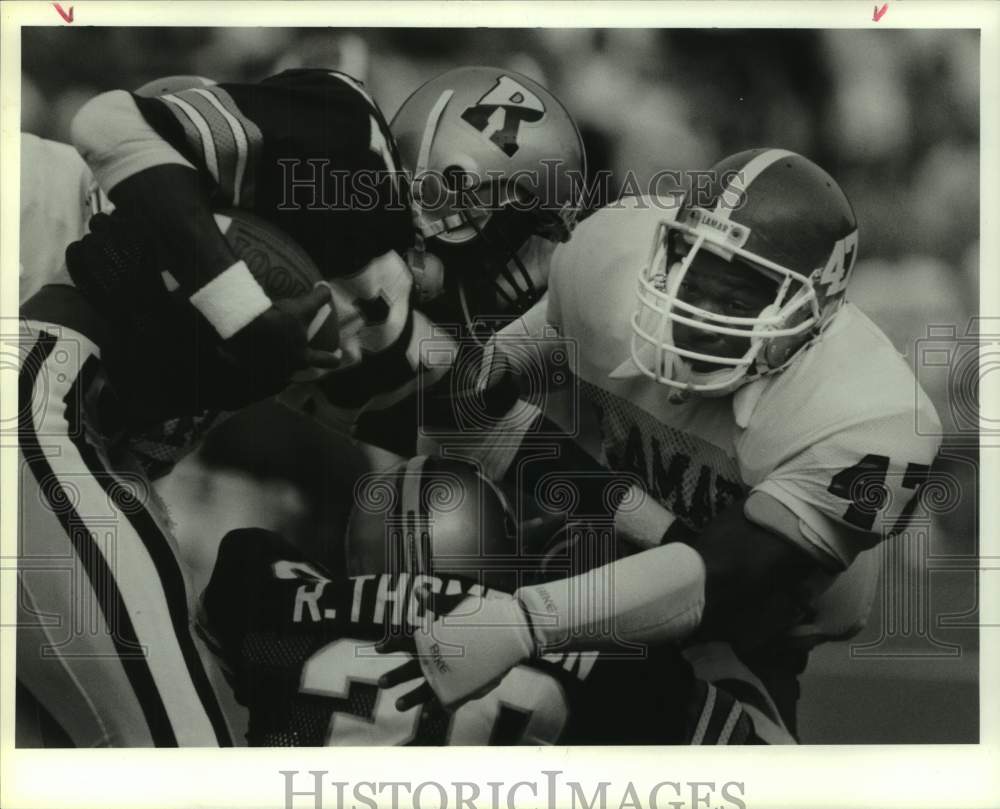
(225, 142)
(120, 134)
(718, 718)
(728, 691)
(117, 142)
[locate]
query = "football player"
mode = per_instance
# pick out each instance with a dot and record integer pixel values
(300, 647)
(59, 195)
(498, 168)
(120, 378)
(168, 156)
(306, 150)
(764, 425)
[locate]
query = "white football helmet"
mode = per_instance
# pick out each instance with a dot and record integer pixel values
(495, 160)
(768, 211)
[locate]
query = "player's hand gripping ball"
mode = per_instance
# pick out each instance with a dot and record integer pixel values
(289, 277)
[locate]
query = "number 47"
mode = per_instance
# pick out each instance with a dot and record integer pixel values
(864, 486)
(837, 271)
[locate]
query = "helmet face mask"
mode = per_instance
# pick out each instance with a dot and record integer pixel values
(494, 160)
(792, 312)
(489, 273)
(670, 330)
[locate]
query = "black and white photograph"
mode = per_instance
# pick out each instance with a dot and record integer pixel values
(397, 382)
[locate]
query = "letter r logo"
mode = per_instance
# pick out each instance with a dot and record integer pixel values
(501, 111)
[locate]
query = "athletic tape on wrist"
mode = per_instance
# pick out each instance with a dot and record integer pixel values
(231, 300)
(642, 520)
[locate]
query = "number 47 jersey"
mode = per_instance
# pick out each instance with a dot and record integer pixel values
(299, 649)
(834, 437)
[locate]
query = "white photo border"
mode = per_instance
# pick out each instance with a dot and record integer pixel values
(933, 776)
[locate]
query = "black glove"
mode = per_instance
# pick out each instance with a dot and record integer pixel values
(115, 267)
(273, 346)
(164, 359)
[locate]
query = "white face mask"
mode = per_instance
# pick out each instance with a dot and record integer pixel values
(654, 353)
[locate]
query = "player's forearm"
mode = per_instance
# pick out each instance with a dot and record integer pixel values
(149, 179)
(652, 597)
(172, 199)
(638, 518)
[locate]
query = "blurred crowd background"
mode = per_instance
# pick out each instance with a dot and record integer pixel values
(892, 114)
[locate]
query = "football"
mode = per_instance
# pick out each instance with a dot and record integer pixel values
(281, 267)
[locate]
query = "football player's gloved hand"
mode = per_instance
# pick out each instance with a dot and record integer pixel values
(166, 360)
(115, 268)
(158, 346)
(382, 378)
(275, 344)
(466, 652)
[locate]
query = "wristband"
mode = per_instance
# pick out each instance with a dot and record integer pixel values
(231, 300)
(641, 520)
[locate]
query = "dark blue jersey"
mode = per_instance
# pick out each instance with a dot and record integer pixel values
(307, 150)
(299, 647)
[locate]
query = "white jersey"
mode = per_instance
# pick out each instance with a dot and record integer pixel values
(58, 195)
(833, 437)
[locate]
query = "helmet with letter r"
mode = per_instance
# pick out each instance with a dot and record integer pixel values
(434, 517)
(497, 170)
(748, 274)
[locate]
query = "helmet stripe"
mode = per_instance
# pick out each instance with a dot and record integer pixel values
(750, 172)
(430, 128)
(395, 538)
(416, 520)
(429, 474)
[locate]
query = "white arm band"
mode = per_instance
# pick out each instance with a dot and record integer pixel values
(641, 520)
(652, 597)
(231, 300)
(115, 140)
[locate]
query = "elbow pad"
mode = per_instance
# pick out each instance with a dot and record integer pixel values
(111, 134)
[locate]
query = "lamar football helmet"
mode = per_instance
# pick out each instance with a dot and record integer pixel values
(768, 211)
(494, 160)
(433, 516)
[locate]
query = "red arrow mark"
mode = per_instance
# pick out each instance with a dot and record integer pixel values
(68, 17)
(877, 14)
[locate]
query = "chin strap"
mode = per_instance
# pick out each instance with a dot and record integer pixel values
(525, 296)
